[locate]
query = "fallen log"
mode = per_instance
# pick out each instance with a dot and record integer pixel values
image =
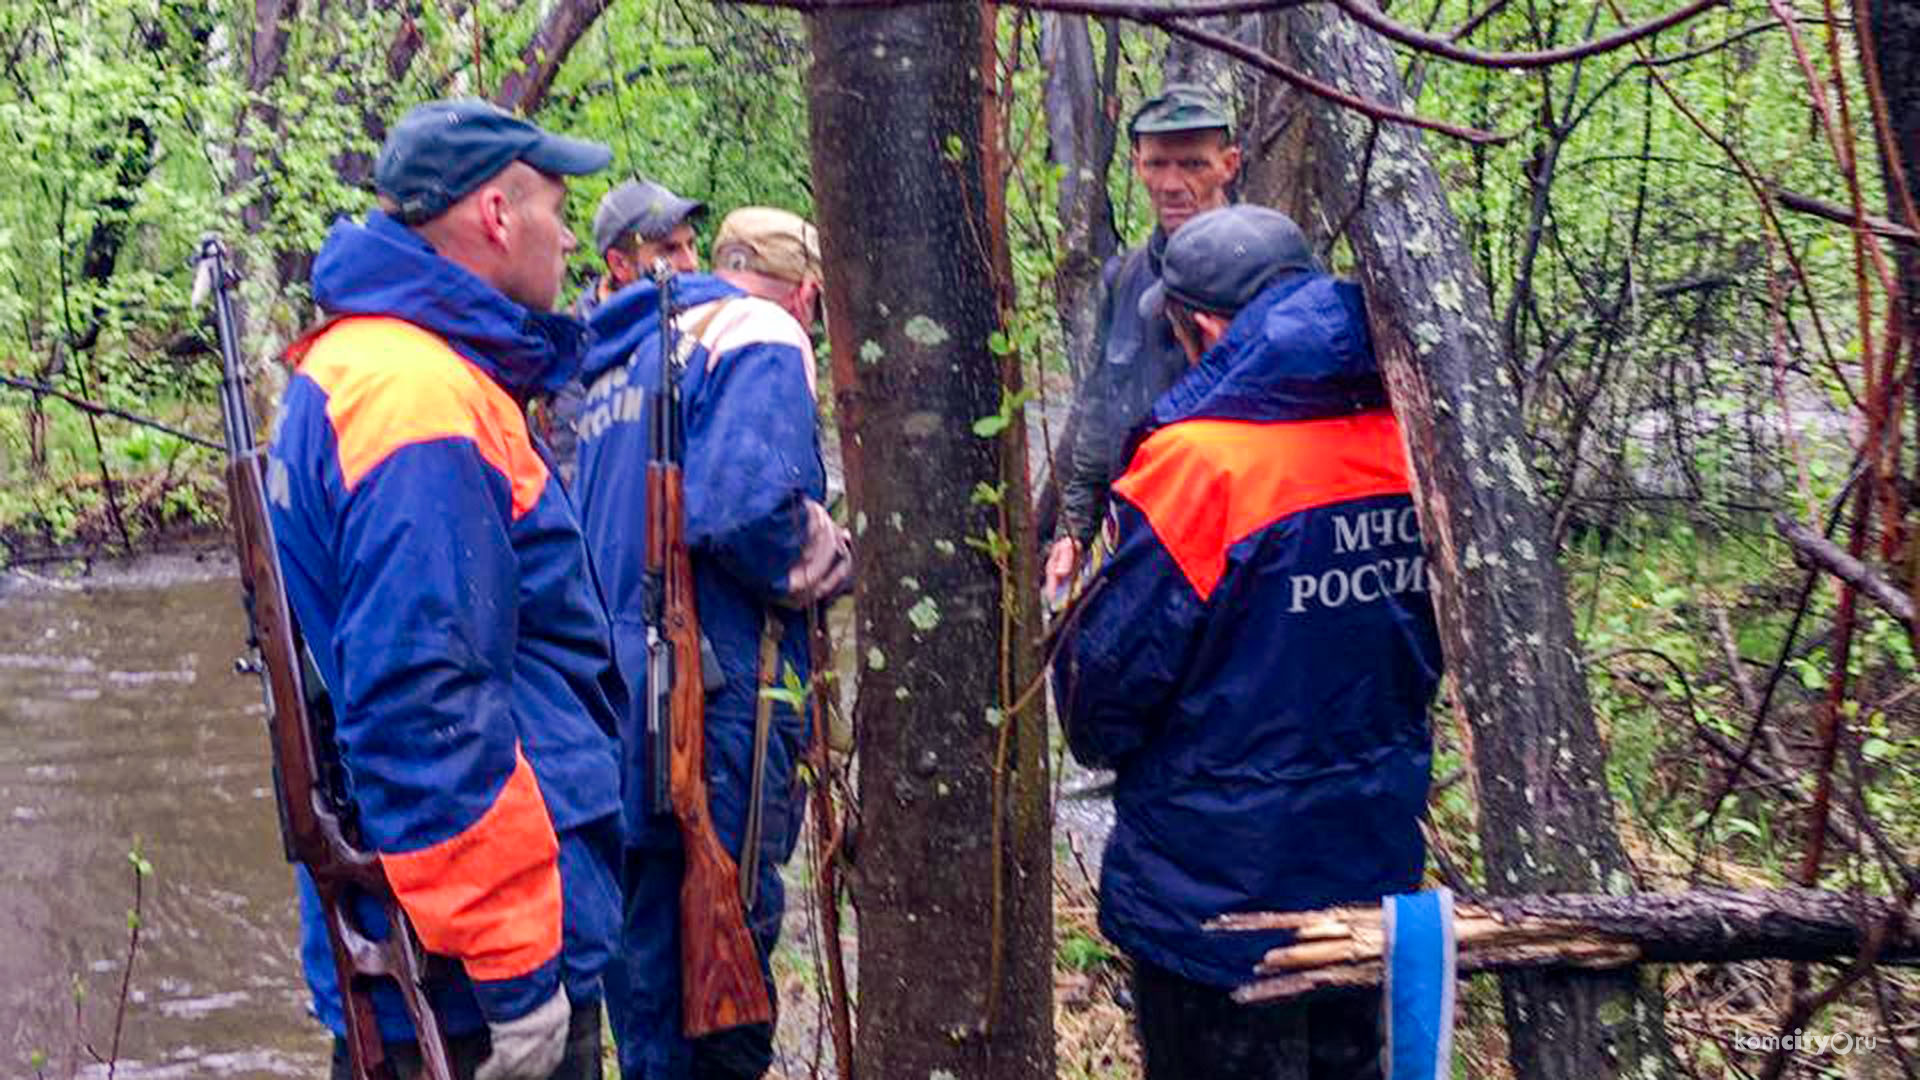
(1342, 947)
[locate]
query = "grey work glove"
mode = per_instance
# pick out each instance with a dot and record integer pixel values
(825, 562)
(531, 1047)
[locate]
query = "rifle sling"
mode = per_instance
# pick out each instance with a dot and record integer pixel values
(770, 634)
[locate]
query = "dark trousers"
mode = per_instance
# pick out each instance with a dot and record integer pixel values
(1192, 1031)
(643, 980)
(581, 1063)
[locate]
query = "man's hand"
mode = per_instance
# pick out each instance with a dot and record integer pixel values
(825, 564)
(531, 1047)
(1061, 560)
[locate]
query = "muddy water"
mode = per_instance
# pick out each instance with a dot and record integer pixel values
(121, 718)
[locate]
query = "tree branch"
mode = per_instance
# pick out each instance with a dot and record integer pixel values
(1823, 553)
(32, 386)
(1840, 215)
(1365, 13)
(1308, 84)
(525, 88)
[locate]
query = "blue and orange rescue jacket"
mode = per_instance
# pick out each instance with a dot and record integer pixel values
(440, 578)
(751, 460)
(1258, 661)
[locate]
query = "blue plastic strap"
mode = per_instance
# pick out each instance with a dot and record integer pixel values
(1419, 985)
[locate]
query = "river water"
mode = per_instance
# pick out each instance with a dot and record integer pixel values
(121, 719)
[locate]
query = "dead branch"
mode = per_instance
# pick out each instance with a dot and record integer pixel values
(1840, 215)
(95, 408)
(1817, 550)
(1343, 947)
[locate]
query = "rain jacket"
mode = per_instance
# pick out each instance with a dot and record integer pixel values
(1135, 361)
(441, 581)
(750, 462)
(1258, 663)
(562, 410)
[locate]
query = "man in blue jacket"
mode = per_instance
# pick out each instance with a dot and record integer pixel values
(637, 222)
(1258, 660)
(763, 548)
(438, 573)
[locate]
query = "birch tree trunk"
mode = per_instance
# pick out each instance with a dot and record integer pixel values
(1546, 818)
(896, 108)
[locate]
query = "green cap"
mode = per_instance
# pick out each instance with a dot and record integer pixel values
(1180, 107)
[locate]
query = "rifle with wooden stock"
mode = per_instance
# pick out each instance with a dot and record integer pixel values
(720, 983)
(314, 816)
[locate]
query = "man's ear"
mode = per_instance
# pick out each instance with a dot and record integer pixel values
(1231, 158)
(496, 215)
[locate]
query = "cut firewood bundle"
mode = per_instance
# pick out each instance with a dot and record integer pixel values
(1342, 947)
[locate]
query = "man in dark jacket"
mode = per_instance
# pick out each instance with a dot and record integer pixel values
(1257, 665)
(763, 550)
(1184, 155)
(438, 573)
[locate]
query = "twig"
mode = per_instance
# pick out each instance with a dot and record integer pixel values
(134, 920)
(34, 386)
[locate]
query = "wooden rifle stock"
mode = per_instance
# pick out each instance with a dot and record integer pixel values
(310, 827)
(720, 982)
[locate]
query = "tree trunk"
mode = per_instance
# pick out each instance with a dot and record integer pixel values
(1546, 817)
(1081, 107)
(896, 113)
(1277, 165)
(1343, 947)
(1895, 28)
(1081, 132)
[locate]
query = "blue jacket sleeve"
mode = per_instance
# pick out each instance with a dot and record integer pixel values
(426, 641)
(1126, 654)
(753, 452)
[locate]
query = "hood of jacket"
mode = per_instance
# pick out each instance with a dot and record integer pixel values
(385, 268)
(1299, 350)
(623, 320)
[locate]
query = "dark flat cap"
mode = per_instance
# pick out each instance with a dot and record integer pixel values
(1180, 107)
(640, 206)
(1220, 260)
(442, 150)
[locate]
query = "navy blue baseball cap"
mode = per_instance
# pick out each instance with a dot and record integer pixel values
(1220, 260)
(442, 150)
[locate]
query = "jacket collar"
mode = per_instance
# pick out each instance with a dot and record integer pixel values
(1299, 351)
(622, 321)
(385, 268)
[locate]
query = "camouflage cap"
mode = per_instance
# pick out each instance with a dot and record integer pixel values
(1180, 107)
